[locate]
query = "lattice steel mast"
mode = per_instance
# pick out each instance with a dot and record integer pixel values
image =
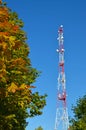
(61, 122)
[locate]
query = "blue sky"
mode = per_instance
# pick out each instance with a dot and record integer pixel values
(42, 19)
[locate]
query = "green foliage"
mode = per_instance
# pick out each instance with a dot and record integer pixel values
(17, 102)
(79, 120)
(38, 102)
(39, 128)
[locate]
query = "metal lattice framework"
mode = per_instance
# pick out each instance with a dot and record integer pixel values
(61, 122)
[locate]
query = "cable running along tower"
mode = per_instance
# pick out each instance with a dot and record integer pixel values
(61, 122)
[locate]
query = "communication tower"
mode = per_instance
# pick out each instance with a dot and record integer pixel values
(61, 122)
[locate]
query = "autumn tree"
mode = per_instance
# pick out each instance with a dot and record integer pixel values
(79, 120)
(17, 101)
(39, 128)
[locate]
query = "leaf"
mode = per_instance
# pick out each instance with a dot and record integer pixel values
(10, 117)
(12, 40)
(16, 72)
(12, 88)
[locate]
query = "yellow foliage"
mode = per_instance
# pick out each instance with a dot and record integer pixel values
(21, 103)
(22, 87)
(12, 39)
(3, 14)
(3, 45)
(12, 88)
(16, 72)
(18, 61)
(1, 76)
(3, 11)
(3, 71)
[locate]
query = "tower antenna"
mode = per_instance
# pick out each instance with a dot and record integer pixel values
(61, 121)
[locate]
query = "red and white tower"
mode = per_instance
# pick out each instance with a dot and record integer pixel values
(61, 122)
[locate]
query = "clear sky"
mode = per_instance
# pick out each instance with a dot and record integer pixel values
(42, 19)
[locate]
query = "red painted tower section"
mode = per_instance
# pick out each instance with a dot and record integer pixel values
(61, 122)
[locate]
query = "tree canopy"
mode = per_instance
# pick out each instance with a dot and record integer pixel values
(17, 101)
(39, 128)
(79, 120)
